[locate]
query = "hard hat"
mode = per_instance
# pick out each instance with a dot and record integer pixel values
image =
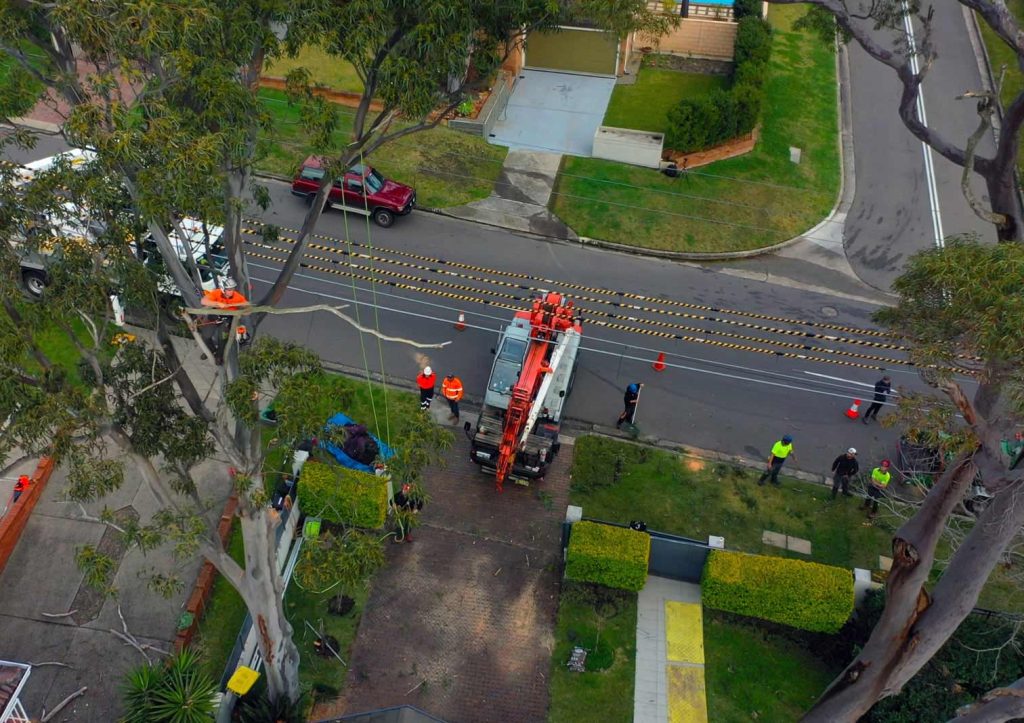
(851, 450)
(787, 439)
(427, 371)
(885, 463)
(229, 283)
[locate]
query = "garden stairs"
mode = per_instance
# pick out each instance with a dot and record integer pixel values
(669, 654)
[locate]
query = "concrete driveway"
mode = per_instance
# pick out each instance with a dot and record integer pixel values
(555, 112)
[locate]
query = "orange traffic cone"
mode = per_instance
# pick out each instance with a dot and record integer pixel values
(659, 363)
(460, 325)
(854, 411)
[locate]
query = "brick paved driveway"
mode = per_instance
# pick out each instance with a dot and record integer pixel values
(460, 622)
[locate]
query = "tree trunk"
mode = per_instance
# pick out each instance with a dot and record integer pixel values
(892, 641)
(1005, 200)
(263, 592)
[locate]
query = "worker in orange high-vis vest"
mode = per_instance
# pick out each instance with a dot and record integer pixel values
(21, 486)
(426, 380)
(451, 388)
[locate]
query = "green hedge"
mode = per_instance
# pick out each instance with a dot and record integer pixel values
(800, 594)
(700, 123)
(745, 8)
(612, 556)
(343, 495)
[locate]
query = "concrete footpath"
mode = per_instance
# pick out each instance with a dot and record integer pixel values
(51, 619)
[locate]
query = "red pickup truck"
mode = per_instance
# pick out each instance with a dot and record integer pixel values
(361, 190)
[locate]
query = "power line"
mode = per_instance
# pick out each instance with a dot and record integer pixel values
(683, 367)
(504, 319)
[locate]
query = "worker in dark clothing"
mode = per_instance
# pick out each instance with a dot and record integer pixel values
(426, 381)
(629, 402)
(883, 387)
(781, 450)
(843, 468)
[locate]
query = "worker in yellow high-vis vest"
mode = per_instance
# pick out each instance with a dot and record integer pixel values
(781, 451)
(880, 477)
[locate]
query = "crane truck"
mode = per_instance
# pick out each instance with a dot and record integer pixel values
(534, 368)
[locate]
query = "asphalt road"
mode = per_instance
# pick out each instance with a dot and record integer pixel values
(891, 215)
(726, 388)
(748, 361)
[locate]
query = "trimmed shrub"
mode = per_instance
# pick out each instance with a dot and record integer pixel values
(753, 41)
(612, 556)
(700, 123)
(804, 595)
(343, 495)
(746, 8)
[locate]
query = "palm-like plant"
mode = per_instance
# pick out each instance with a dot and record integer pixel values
(177, 692)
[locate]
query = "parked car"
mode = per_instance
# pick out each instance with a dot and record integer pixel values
(361, 190)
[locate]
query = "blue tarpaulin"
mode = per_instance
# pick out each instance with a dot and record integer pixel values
(340, 420)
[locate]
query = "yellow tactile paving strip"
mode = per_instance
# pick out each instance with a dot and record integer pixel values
(687, 702)
(684, 649)
(684, 632)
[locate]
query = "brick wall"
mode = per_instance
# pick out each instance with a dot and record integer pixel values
(13, 523)
(700, 38)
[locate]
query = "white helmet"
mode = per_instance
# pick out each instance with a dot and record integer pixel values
(851, 450)
(427, 371)
(229, 283)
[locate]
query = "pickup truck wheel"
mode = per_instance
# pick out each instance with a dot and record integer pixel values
(35, 282)
(310, 197)
(383, 217)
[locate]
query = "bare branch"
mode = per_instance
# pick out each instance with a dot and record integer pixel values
(204, 311)
(47, 717)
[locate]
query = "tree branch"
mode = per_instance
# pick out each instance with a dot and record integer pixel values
(205, 311)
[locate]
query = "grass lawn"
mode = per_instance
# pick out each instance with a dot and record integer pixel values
(324, 70)
(999, 54)
(644, 106)
(447, 168)
(736, 655)
(688, 497)
(748, 202)
(323, 677)
(222, 620)
(604, 622)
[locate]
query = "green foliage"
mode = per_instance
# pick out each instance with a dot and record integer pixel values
(98, 567)
(176, 692)
(746, 8)
(704, 122)
(967, 298)
(422, 444)
(257, 707)
(342, 495)
(346, 561)
(753, 41)
(615, 557)
(981, 655)
(804, 595)
(822, 23)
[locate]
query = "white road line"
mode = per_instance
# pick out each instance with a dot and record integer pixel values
(929, 165)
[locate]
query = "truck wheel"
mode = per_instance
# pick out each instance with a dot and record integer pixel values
(35, 282)
(383, 217)
(310, 197)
